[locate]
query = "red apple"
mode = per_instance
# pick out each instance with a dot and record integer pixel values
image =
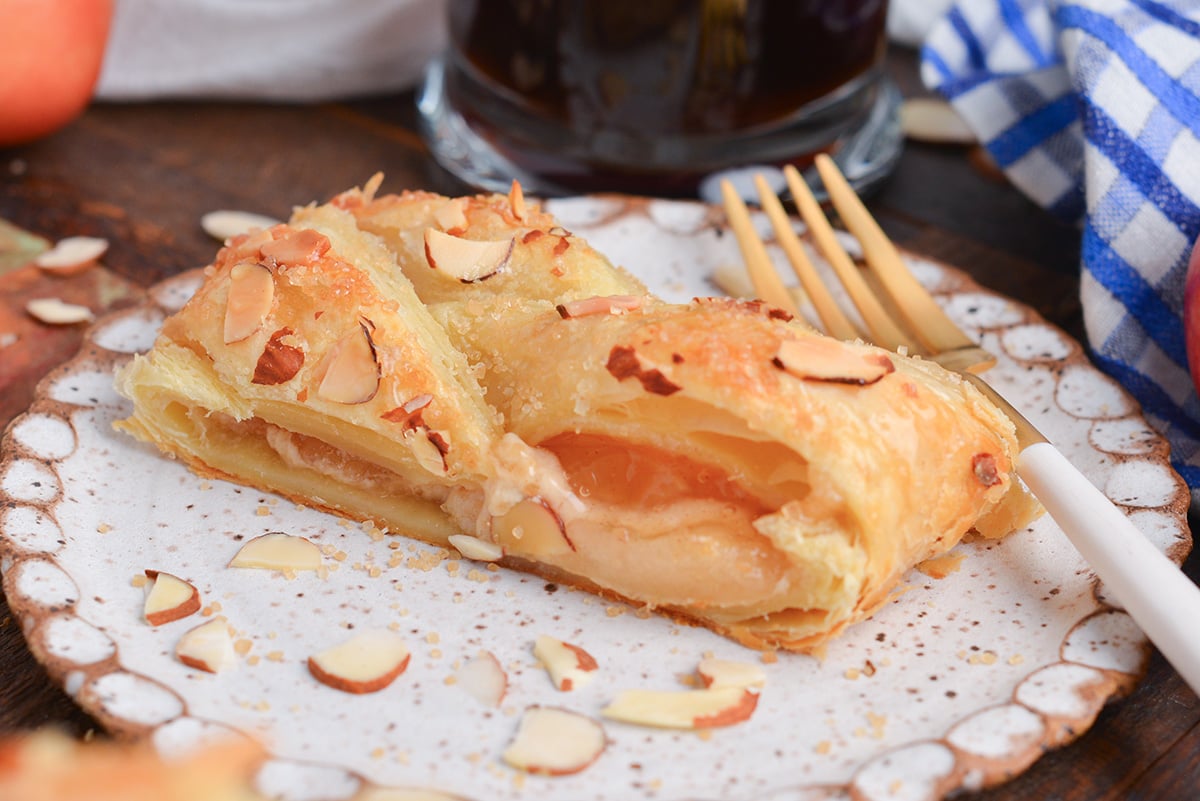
(50, 56)
(1191, 314)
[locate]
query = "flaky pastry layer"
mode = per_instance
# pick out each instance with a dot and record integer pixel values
(466, 365)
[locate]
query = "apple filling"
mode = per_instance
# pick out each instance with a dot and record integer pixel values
(644, 508)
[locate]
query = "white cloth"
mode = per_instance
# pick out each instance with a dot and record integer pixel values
(287, 50)
(910, 20)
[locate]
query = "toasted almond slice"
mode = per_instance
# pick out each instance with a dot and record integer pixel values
(570, 667)
(365, 663)
(225, 224)
(304, 246)
(248, 302)
(170, 598)
(428, 448)
(280, 360)
(465, 260)
(278, 551)
(822, 359)
(351, 372)
(475, 548)
(719, 673)
(516, 200)
(555, 742)
(451, 216)
(207, 647)
(71, 255)
(402, 794)
(55, 311)
(531, 527)
(484, 679)
(929, 119)
(610, 304)
(687, 709)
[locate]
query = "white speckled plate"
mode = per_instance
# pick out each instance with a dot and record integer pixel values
(957, 683)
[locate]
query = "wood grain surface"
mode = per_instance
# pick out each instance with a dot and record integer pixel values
(142, 175)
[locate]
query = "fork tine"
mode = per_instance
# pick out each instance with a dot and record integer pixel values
(884, 331)
(835, 321)
(767, 283)
(932, 327)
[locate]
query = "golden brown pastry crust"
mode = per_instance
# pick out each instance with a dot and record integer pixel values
(716, 459)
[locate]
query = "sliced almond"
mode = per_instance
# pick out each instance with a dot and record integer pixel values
(687, 709)
(429, 448)
(531, 527)
(555, 742)
(452, 216)
(55, 311)
(610, 304)
(929, 119)
(465, 260)
(351, 373)
(475, 548)
(170, 598)
(251, 294)
(280, 360)
(408, 414)
(208, 647)
(623, 362)
(225, 224)
(278, 551)
(570, 667)
(402, 794)
(72, 255)
(484, 679)
(823, 359)
(516, 200)
(305, 246)
(365, 663)
(720, 673)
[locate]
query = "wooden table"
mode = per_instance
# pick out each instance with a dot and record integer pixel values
(142, 175)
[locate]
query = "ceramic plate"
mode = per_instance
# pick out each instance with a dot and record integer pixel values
(957, 683)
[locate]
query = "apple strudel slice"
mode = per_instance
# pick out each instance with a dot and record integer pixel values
(714, 459)
(306, 365)
(447, 366)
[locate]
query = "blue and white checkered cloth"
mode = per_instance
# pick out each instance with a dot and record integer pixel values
(1092, 108)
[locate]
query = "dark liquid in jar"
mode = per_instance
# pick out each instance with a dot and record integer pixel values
(616, 73)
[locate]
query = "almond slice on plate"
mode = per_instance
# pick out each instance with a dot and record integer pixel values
(278, 551)
(365, 663)
(207, 647)
(466, 260)
(170, 598)
(475, 548)
(687, 709)
(484, 679)
(570, 667)
(719, 673)
(555, 742)
(225, 224)
(55, 311)
(72, 255)
(402, 794)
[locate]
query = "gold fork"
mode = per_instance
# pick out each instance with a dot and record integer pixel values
(1152, 589)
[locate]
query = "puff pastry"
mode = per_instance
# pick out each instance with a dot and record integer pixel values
(715, 460)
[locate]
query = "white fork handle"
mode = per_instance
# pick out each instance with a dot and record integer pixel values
(1153, 590)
